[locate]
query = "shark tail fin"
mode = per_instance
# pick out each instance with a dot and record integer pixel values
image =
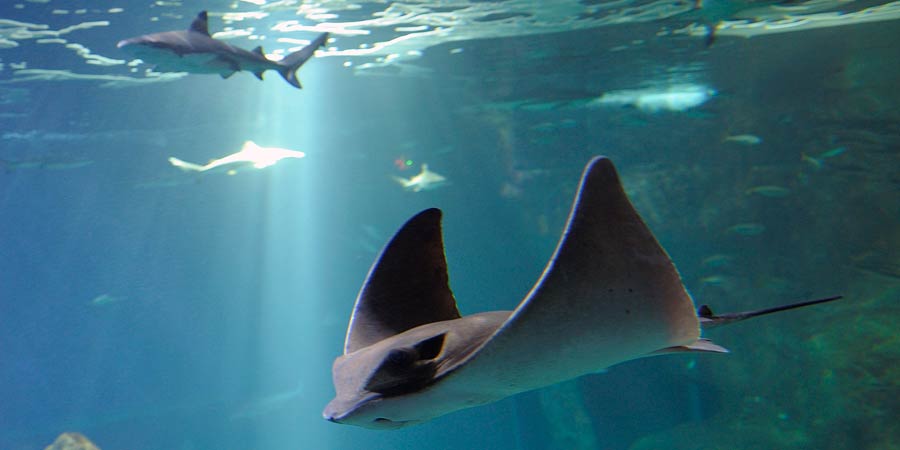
(185, 166)
(291, 63)
(402, 181)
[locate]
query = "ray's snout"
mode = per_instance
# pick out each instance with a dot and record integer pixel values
(330, 414)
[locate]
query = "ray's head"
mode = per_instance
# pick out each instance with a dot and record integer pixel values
(403, 380)
(372, 382)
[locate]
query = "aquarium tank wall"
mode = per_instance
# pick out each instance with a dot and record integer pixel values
(192, 195)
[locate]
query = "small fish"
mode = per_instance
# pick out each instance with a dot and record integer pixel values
(815, 163)
(105, 299)
(747, 229)
(833, 152)
(714, 280)
(66, 165)
(164, 182)
(743, 139)
(717, 260)
(769, 191)
(45, 164)
(818, 162)
(426, 180)
(547, 127)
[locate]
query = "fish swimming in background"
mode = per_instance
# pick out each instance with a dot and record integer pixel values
(714, 280)
(837, 151)
(105, 300)
(168, 181)
(674, 98)
(747, 229)
(195, 51)
(250, 155)
(426, 180)
(717, 260)
(818, 162)
(44, 164)
(743, 139)
(609, 294)
(815, 163)
(769, 191)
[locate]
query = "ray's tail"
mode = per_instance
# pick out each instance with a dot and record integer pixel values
(708, 319)
(291, 63)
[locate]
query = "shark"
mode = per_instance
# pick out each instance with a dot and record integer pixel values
(195, 51)
(609, 294)
(250, 155)
(426, 180)
(675, 98)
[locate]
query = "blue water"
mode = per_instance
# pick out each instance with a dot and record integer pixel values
(148, 308)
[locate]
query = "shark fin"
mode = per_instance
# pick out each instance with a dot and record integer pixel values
(226, 64)
(201, 24)
(226, 75)
(259, 51)
(291, 63)
(250, 145)
(407, 287)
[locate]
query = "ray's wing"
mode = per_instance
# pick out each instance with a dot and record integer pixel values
(609, 294)
(389, 304)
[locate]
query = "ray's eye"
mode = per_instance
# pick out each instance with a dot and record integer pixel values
(406, 369)
(430, 348)
(402, 357)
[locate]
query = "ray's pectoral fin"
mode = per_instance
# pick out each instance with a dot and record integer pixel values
(407, 369)
(609, 294)
(699, 346)
(389, 304)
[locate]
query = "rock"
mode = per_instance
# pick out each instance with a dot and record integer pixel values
(72, 441)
